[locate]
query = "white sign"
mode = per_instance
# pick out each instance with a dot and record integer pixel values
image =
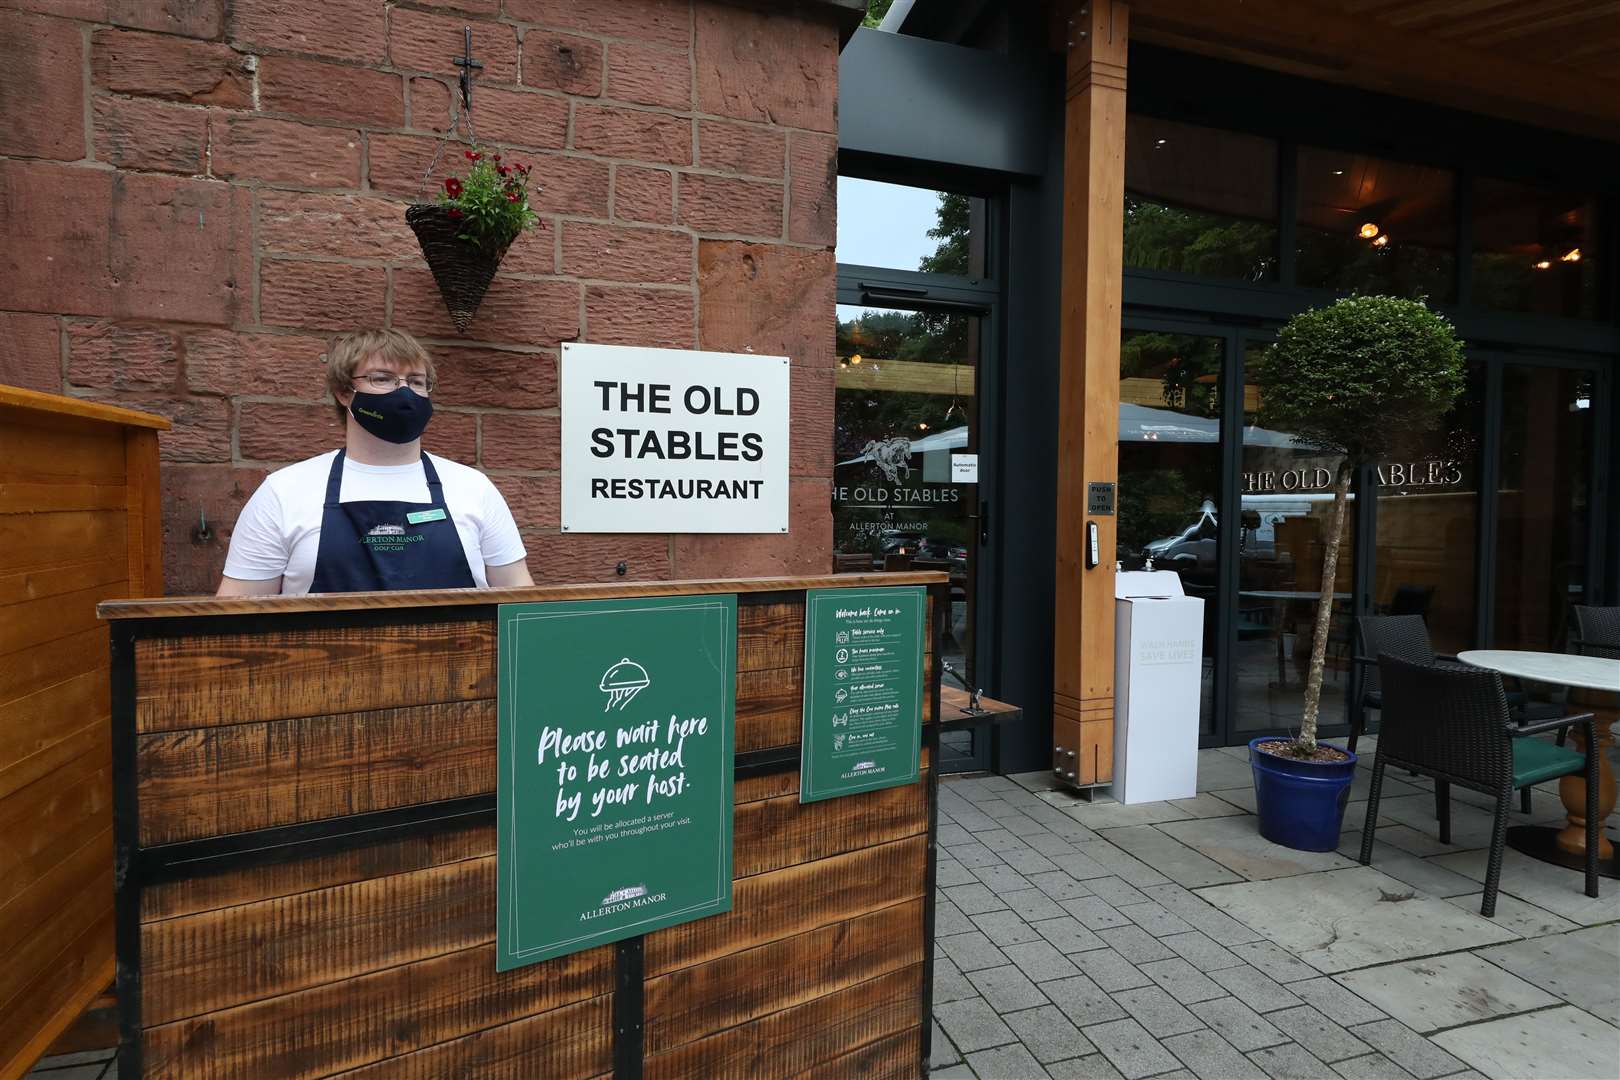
(964, 468)
(673, 440)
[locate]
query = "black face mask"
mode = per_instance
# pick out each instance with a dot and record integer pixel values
(398, 416)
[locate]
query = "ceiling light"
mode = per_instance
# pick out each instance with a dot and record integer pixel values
(855, 359)
(1159, 142)
(1572, 255)
(1544, 265)
(1382, 241)
(1338, 172)
(922, 427)
(1369, 230)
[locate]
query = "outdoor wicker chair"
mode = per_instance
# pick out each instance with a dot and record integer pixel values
(1597, 631)
(1450, 722)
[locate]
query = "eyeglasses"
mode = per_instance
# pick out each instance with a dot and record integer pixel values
(386, 381)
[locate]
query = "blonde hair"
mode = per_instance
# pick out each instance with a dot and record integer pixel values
(347, 351)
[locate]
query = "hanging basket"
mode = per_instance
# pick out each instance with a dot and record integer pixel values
(463, 270)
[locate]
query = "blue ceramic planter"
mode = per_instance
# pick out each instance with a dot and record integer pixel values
(1300, 803)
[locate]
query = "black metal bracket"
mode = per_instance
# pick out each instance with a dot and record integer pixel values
(629, 1008)
(467, 65)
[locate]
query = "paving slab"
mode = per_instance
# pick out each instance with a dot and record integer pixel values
(1523, 919)
(1111, 971)
(949, 982)
(1338, 1004)
(1116, 891)
(1170, 856)
(1123, 865)
(1184, 982)
(1155, 919)
(1565, 1042)
(1059, 885)
(1113, 815)
(1082, 1001)
(1445, 991)
(1004, 927)
(1095, 913)
(1326, 1040)
(973, 1025)
(948, 918)
(1032, 905)
(1236, 843)
(1006, 988)
(1090, 1067)
(1370, 1067)
(1551, 888)
(1254, 987)
(950, 872)
(1217, 924)
(1212, 1058)
(1000, 878)
(941, 1051)
(1423, 874)
(1240, 797)
(958, 1071)
(1157, 1011)
(1007, 1061)
(1068, 936)
(1583, 968)
(1356, 917)
(1041, 960)
(1470, 826)
(1238, 1024)
(975, 855)
(1275, 961)
(1133, 1051)
(1411, 1051)
(1217, 771)
(1048, 1035)
(1205, 804)
(1135, 944)
(1049, 844)
(972, 951)
(1029, 861)
(1201, 951)
(1290, 1061)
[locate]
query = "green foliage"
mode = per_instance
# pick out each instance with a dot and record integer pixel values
(491, 201)
(875, 10)
(951, 230)
(1160, 237)
(1153, 504)
(1188, 367)
(1361, 377)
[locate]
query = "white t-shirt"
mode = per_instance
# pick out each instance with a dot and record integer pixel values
(279, 531)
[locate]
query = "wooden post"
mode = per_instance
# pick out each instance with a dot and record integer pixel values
(1088, 424)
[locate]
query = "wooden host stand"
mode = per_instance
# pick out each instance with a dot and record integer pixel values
(304, 799)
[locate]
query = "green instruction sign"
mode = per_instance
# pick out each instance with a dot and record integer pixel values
(863, 667)
(616, 767)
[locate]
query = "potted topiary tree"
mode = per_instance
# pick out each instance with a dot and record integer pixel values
(1359, 378)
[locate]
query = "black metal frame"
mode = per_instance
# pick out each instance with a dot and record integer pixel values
(136, 867)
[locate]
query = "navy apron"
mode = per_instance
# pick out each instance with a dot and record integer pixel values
(369, 546)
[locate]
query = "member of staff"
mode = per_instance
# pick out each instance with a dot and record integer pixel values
(381, 513)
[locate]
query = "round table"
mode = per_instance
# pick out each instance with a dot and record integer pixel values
(1567, 846)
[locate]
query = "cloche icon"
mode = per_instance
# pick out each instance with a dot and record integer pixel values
(623, 681)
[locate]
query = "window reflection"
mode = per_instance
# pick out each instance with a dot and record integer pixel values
(1170, 471)
(1535, 250)
(910, 228)
(1370, 225)
(1199, 200)
(1287, 505)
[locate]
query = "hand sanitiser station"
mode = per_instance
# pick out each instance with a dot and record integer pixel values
(1158, 661)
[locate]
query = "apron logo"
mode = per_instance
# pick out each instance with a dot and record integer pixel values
(387, 530)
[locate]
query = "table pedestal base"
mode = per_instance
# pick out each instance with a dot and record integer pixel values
(1541, 842)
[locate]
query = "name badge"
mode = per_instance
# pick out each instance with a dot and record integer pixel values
(419, 516)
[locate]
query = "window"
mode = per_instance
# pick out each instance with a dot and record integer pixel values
(1200, 201)
(910, 228)
(1535, 250)
(1370, 225)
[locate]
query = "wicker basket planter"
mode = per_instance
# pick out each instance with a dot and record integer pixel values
(462, 269)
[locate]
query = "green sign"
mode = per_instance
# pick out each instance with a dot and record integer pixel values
(616, 767)
(863, 663)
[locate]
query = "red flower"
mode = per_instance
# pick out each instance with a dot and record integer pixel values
(512, 196)
(452, 188)
(473, 155)
(502, 169)
(455, 215)
(497, 157)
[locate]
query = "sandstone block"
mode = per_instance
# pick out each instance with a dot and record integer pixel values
(305, 26)
(322, 91)
(190, 493)
(773, 300)
(563, 62)
(522, 118)
(648, 75)
(661, 22)
(172, 68)
(275, 432)
(616, 253)
(741, 148)
(284, 152)
(758, 65)
(535, 502)
(629, 316)
(495, 378)
(42, 84)
(349, 226)
(632, 133)
(231, 362)
(813, 189)
(153, 136)
(515, 310)
(562, 558)
(32, 354)
(109, 356)
(803, 549)
(521, 441)
(724, 204)
(641, 194)
(333, 296)
(425, 41)
(453, 435)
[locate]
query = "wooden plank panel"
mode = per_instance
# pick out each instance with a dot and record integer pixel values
(772, 785)
(898, 1057)
(72, 895)
(52, 618)
(37, 497)
(770, 705)
(46, 448)
(215, 960)
(770, 636)
(698, 1001)
(31, 670)
(796, 899)
(220, 780)
(573, 1041)
(246, 885)
(236, 678)
(40, 541)
(58, 409)
(782, 832)
(367, 1019)
(44, 823)
(37, 721)
(71, 577)
(58, 990)
(788, 1042)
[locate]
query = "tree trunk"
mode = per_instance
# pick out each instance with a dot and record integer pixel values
(1324, 609)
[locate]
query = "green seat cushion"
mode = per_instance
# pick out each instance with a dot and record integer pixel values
(1535, 761)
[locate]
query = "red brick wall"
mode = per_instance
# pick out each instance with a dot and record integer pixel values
(195, 193)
